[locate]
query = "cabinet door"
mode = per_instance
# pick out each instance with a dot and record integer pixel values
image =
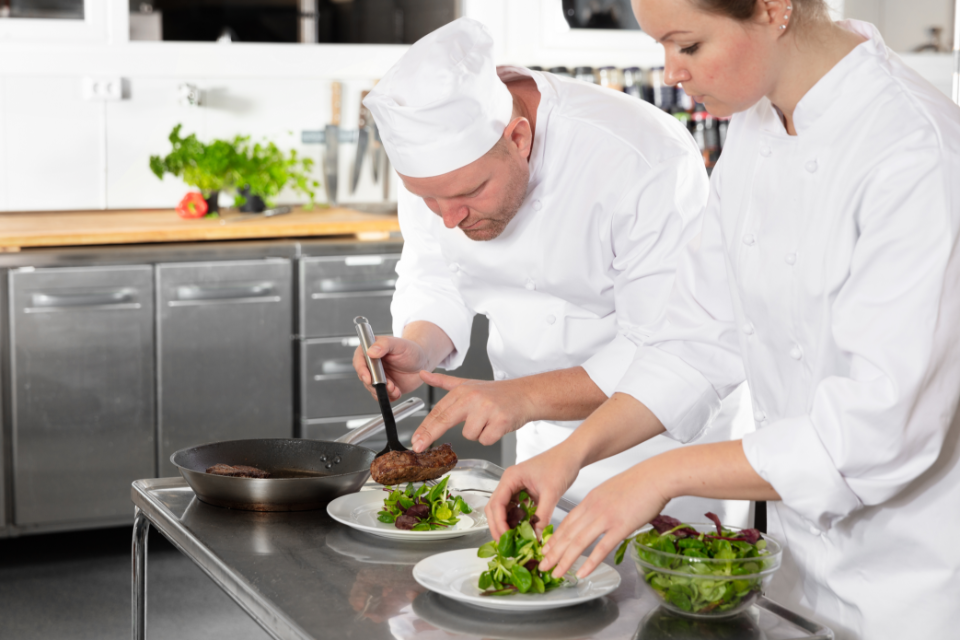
(82, 372)
(225, 356)
(336, 289)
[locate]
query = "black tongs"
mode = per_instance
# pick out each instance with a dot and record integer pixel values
(365, 331)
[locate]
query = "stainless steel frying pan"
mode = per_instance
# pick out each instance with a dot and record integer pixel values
(317, 471)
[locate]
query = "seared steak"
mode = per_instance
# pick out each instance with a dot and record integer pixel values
(238, 471)
(396, 467)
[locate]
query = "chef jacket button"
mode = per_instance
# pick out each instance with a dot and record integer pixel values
(748, 328)
(537, 205)
(791, 258)
(551, 319)
(815, 531)
(749, 239)
(765, 152)
(531, 285)
(796, 353)
(811, 166)
(499, 375)
(759, 416)
(454, 267)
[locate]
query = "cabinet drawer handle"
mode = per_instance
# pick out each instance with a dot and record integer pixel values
(337, 285)
(117, 299)
(363, 261)
(336, 367)
(195, 294)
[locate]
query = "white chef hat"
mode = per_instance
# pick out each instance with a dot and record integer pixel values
(442, 105)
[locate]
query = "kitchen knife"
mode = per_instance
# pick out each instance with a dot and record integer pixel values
(332, 139)
(363, 139)
(376, 151)
(387, 168)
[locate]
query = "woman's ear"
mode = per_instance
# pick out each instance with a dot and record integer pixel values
(519, 133)
(775, 13)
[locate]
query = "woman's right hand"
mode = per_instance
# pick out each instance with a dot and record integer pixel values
(402, 362)
(545, 478)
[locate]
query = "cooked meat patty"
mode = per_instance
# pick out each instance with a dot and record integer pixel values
(408, 466)
(238, 471)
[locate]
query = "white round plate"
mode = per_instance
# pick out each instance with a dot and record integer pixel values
(455, 574)
(359, 510)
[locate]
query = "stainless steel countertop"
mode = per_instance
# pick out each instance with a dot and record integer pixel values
(303, 576)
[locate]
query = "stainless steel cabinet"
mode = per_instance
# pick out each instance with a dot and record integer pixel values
(329, 384)
(82, 376)
(336, 289)
(333, 291)
(225, 353)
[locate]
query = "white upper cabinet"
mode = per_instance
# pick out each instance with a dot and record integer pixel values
(65, 21)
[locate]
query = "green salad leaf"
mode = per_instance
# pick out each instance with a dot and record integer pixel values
(686, 581)
(417, 509)
(514, 567)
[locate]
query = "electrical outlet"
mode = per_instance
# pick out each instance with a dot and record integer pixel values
(103, 88)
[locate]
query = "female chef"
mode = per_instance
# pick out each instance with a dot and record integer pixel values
(827, 274)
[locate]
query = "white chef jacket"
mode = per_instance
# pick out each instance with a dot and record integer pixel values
(828, 275)
(616, 191)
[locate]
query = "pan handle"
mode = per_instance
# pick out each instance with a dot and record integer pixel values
(403, 410)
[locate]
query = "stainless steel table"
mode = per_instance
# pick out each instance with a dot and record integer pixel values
(303, 576)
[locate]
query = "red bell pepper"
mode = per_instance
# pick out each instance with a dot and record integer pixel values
(193, 205)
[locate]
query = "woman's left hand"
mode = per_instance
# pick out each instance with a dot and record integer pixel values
(615, 509)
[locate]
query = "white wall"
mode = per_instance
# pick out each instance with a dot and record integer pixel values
(904, 23)
(59, 151)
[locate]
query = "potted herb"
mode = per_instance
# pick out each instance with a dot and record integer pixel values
(208, 167)
(262, 170)
(257, 171)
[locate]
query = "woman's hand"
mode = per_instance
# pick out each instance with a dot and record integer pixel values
(615, 509)
(402, 362)
(545, 478)
(489, 410)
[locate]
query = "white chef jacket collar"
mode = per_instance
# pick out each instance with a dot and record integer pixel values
(825, 94)
(547, 99)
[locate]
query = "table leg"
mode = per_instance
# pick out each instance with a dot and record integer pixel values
(141, 527)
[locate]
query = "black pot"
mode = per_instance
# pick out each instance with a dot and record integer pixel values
(253, 204)
(212, 206)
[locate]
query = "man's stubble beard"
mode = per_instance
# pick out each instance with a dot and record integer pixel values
(515, 193)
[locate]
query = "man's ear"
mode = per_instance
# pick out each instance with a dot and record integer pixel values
(520, 135)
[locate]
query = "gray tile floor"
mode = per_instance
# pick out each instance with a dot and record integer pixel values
(76, 586)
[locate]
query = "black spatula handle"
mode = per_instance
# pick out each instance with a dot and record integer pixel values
(365, 332)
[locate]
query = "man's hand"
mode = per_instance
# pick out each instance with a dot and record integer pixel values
(545, 478)
(490, 410)
(402, 361)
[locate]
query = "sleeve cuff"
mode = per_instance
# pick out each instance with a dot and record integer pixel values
(607, 367)
(675, 392)
(457, 324)
(814, 488)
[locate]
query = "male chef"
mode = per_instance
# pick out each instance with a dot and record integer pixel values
(554, 207)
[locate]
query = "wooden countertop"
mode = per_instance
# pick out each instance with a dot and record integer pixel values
(73, 228)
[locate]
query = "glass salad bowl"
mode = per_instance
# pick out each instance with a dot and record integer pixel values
(688, 581)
